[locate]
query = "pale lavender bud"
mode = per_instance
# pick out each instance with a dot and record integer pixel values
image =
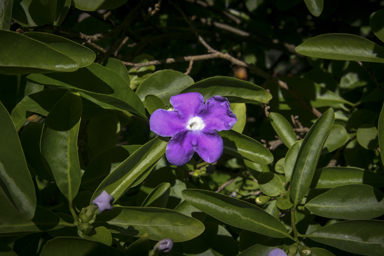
(104, 202)
(277, 252)
(164, 245)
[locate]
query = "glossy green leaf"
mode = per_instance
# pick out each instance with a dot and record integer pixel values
(361, 117)
(38, 13)
(236, 90)
(270, 184)
(284, 202)
(104, 163)
(12, 222)
(99, 234)
(6, 14)
(315, 6)
(362, 237)
(62, 246)
(381, 133)
(317, 95)
(22, 55)
(135, 167)
(97, 84)
(30, 140)
(337, 137)
(280, 166)
(291, 158)
(331, 177)
(283, 129)
(257, 250)
(137, 76)
(236, 213)
(158, 197)
(342, 47)
(118, 66)
(157, 222)
(240, 110)
(40, 103)
(352, 202)
(80, 54)
(140, 247)
(377, 24)
(15, 177)
(320, 252)
(239, 145)
(86, 5)
(309, 156)
(153, 103)
(367, 136)
(164, 84)
(102, 134)
(62, 128)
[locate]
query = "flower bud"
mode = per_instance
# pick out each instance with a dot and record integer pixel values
(261, 200)
(86, 228)
(104, 202)
(164, 245)
(277, 252)
(305, 251)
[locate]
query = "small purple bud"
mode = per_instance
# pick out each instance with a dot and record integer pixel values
(165, 245)
(104, 202)
(277, 252)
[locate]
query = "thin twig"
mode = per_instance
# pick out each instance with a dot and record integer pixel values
(189, 68)
(226, 183)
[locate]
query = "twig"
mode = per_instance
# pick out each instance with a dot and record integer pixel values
(97, 47)
(124, 41)
(275, 143)
(189, 68)
(226, 184)
(153, 12)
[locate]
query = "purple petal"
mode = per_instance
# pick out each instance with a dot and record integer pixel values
(104, 202)
(209, 146)
(179, 149)
(166, 123)
(187, 104)
(277, 252)
(217, 114)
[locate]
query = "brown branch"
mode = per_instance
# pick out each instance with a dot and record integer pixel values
(189, 68)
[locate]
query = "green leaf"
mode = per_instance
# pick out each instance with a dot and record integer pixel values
(164, 84)
(63, 246)
(257, 250)
(236, 213)
(236, 90)
(381, 133)
(239, 145)
(97, 84)
(342, 47)
(12, 222)
(352, 202)
(320, 252)
(22, 55)
(367, 136)
(315, 6)
(284, 202)
(62, 128)
(99, 234)
(104, 163)
(309, 156)
(291, 158)
(137, 76)
(337, 137)
(153, 103)
(283, 129)
(331, 177)
(80, 54)
(140, 247)
(270, 184)
(134, 168)
(6, 14)
(361, 237)
(117, 66)
(38, 13)
(240, 110)
(158, 197)
(157, 222)
(86, 5)
(377, 25)
(15, 177)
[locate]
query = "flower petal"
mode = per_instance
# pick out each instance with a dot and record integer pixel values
(104, 202)
(209, 146)
(187, 104)
(217, 114)
(179, 149)
(277, 252)
(166, 123)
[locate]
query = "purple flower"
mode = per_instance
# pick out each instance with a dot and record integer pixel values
(277, 252)
(193, 127)
(165, 245)
(104, 202)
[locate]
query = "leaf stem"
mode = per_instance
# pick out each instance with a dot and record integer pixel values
(74, 215)
(296, 234)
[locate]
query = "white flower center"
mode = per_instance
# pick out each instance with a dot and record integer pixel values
(195, 124)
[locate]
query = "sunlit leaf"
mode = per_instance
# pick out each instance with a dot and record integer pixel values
(315, 6)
